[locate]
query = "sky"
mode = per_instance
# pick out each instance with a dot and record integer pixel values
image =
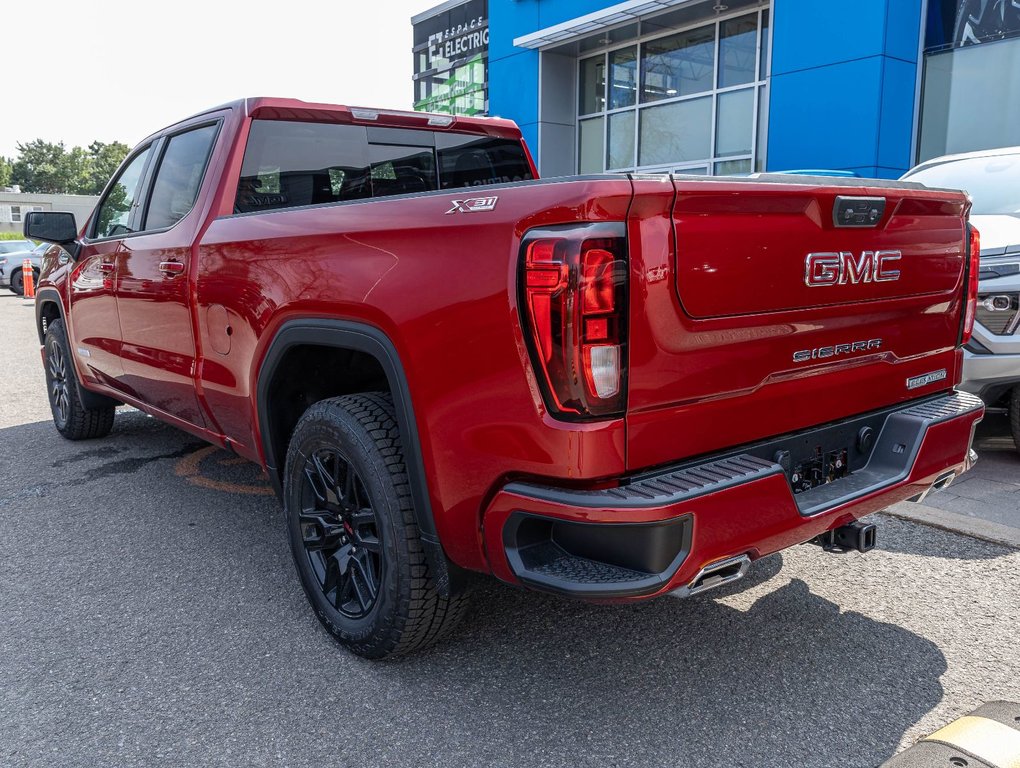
(118, 71)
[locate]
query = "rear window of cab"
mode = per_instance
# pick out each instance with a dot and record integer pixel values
(291, 163)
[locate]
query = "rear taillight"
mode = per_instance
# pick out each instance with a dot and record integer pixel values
(574, 312)
(973, 270)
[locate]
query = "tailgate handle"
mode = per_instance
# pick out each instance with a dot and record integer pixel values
(171, 268)
(857, 211)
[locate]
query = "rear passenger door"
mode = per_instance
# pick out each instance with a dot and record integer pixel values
(154, 277)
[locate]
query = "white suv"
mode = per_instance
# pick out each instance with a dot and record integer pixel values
(991, 366)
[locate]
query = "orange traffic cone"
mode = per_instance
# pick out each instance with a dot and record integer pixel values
(28, 279)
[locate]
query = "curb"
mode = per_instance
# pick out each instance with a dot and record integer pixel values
(956, 523)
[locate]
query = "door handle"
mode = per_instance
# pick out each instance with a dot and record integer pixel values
(171, 268)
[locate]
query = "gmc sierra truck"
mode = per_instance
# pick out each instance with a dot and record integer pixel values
(609, 387)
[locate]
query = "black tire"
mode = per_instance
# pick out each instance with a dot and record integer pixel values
(18, 281)
(350, 518)
(1014, 415)
(72, 419)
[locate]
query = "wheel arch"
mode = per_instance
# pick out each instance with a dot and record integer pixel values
(48, 307)
(346, 335)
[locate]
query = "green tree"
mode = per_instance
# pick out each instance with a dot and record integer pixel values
(46, 167)
(104, 161)
(76, 164)
(41, 167)
(6, 166)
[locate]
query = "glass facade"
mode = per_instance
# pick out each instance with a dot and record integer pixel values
(689, 100)
(960, 88)
(451, 60)
(971, 88)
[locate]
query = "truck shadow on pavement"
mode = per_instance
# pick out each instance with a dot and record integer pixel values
(696, 682)
(155, 640)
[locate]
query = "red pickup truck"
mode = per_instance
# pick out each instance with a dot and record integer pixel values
(611, 387)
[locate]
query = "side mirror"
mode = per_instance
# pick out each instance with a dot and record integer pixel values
(51, 227)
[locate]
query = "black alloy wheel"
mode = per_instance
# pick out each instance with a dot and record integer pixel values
(340, 533)
(60, 398)
(353, 534)
(70, 416)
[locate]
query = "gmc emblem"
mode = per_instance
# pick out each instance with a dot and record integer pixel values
(843, 268)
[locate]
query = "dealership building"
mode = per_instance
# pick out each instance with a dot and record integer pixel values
(729, 86)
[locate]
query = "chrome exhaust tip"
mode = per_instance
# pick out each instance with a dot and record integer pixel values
(715, 575)
(972, 459)
(942, 482)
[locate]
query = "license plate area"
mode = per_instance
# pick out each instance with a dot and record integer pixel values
(825, 466)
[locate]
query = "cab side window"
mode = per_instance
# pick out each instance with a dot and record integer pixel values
(114, 212)
(179, 177)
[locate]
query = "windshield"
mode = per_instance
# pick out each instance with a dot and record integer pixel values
(993, 182)
(13, 246)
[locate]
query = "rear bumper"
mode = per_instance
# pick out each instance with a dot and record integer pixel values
(655, 533)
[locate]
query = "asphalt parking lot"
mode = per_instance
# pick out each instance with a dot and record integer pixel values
(149, 614)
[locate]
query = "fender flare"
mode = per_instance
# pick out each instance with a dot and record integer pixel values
(43, 296)
(368, 339)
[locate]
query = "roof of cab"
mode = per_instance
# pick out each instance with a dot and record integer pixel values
(294, 109)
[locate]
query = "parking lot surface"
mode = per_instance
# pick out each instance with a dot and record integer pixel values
(151, 615)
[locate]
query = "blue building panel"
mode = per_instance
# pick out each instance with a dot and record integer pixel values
(513, 87)
(903, 29)
(896, 127)
(825, 117)
(810, 34)
(843, 86)
(508, 21)
(552, 12)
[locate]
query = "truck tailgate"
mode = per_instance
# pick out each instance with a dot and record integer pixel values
(764, 316)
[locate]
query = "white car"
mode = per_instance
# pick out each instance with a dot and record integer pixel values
(991, 367)
(12, 258)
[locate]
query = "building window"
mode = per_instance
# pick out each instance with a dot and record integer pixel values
(15, 214)
(691, 101)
